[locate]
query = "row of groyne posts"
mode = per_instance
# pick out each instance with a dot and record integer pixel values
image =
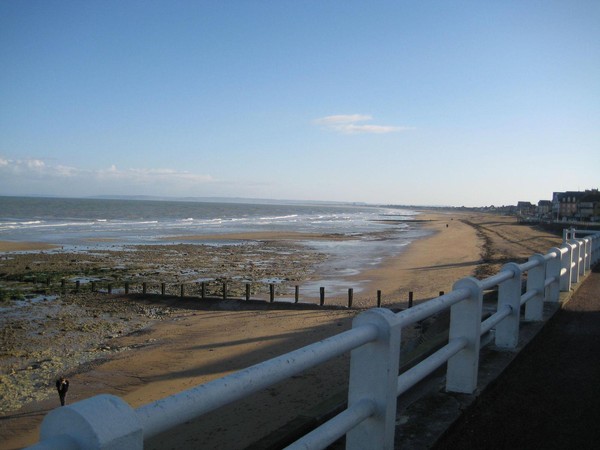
(202, 290)
(369, 420)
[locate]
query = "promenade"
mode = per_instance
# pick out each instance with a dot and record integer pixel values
(549, 396)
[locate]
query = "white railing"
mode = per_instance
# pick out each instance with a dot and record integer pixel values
(108, 422)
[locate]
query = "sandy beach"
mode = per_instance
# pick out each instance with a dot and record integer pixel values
(153, 347)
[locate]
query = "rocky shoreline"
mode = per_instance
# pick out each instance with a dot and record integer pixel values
(46, 333)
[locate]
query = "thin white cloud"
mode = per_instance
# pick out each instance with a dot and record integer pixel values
(342, 119)
(37, 168)
(351, 124)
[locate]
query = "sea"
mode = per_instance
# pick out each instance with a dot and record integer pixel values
(87, 224)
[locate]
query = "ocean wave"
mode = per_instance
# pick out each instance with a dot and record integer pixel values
(290, 216)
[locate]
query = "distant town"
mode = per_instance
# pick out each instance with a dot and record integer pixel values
(570, 206)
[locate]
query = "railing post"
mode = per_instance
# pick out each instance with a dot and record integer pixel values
(509, 294)
(350, 297)
(103, 422)
(575, 262)
(553, 270)
(296, 293)
(321, 296)
(566, 262)
(588, 253)
(465, 322)
(247, 291)
(374, 376)
(536, 278)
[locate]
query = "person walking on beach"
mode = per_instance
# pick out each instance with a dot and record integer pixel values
(62, 386)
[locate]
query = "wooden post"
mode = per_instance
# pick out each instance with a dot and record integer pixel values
(109, 289)
(410, 299)
(162, 288)
(350, 297)
(379, 299)
(322, 294)
(126, 287)
(62, 285)
(224, 290)
(144, 288)
(77, 283)
(271, 292)
(203, 290)
(247, 291)
(296, 294)
(182, 290)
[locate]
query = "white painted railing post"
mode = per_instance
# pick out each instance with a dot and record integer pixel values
(536, 279)
(553, 271)
(576, 260)
(374, 371)
(566, 263)
(465, 322)
(587, 243)
(509, 294)
(103, 422)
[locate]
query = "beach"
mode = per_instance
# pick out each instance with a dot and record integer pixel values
(146, 348)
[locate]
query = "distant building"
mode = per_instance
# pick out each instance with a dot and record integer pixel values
(544, 208)
(589, 206)
(576, 205)
(526, 209)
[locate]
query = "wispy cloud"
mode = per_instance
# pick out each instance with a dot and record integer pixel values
(39, 169)
(352, 123)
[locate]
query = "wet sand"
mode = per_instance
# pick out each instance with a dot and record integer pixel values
(196, 343)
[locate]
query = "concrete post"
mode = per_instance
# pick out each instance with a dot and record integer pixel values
(588, 253)
(509, 294)
(553, 270)
(536, 278)
(566, 262)
(465, 322)
(374, 376)
(102, 422)
(576, 260)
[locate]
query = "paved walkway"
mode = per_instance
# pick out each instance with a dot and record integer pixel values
(549, 397)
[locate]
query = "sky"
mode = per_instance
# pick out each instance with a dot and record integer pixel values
(445, 103)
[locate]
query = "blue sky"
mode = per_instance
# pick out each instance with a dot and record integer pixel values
(406, 102)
